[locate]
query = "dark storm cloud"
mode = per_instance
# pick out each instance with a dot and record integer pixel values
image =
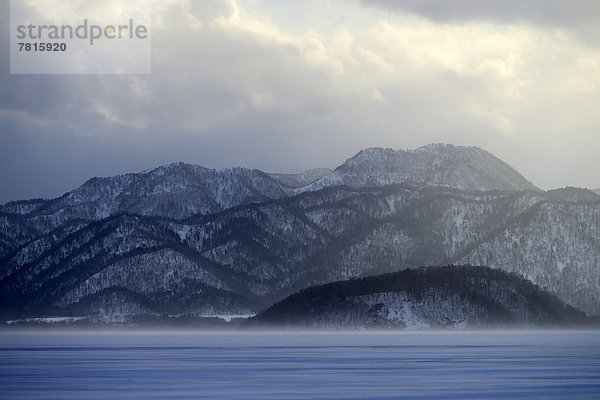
(545, 12)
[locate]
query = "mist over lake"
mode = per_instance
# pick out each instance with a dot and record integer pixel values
(300, 365)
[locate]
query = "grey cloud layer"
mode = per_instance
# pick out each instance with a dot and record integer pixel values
(230, 86)
(552, 12)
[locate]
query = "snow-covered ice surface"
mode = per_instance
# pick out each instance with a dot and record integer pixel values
(228, 317)
(47, 320)
(333, 365)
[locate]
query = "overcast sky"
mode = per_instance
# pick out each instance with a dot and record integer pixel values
(285, 85)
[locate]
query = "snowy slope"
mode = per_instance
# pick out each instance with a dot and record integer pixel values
(572, 195)
(467, 168)
(434, 297)
(175, 191)
(172, 191)
(556, 245)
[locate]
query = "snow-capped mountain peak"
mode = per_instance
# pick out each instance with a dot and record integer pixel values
(465, 168)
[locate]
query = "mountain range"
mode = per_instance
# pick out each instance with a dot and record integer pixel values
(187, 240)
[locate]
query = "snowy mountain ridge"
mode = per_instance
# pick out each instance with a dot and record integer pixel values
(187, 240)
(181, 190)
(190, 189)
(460, 167)
(176, 191)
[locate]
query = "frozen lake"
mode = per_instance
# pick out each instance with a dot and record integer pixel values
(452, 365)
